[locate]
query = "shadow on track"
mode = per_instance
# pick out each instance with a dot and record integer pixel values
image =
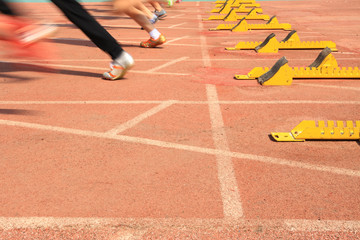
(11, 67)
(9, 111)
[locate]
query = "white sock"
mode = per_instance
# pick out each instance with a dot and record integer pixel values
(155, 34)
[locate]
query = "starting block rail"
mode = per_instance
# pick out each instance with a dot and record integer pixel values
(237, 4)
(290, 42)
(242, 8)
(243, 26)
(321, 130)
(220, 3)
(232, 16)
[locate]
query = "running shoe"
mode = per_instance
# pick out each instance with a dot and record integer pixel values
(35, 34)
(151, 43)
(25, 38)
(119, 67)
(160, 14)
(25, 32)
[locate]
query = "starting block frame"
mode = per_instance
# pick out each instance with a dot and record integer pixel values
(237, 4)
(290, 42)
(242, 8)
(243, 26)
(324, 66)
(320, 130)
(220, 3)
(232, 16)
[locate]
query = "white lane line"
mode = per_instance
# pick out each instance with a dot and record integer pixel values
(181, 28)
(290, 102)
(80, 102)
(170, 145)
(131, 123)
(329, 86)
(172, 44)
(141, 224)
(232, 205)
(203, 45)
(176, 25)
(125, 235)
(189, 45)
(158, 27)
(70, 39)
(176, 39)
(167, 64)
(176, 16)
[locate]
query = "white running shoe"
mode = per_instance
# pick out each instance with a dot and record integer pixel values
(119, 67)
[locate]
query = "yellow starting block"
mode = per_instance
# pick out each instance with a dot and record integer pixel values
(247, 10)
(242, 8)
(220, 3)
(225, 9)
(321, 130)
(324, 66)
(291, 41)
(237, 3)
(232, 16)
(243, 26)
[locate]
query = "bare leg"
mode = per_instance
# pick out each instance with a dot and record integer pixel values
(130, 8)
(145, 10)
(156, 5)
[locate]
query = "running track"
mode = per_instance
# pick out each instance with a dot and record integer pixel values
(178, 149)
